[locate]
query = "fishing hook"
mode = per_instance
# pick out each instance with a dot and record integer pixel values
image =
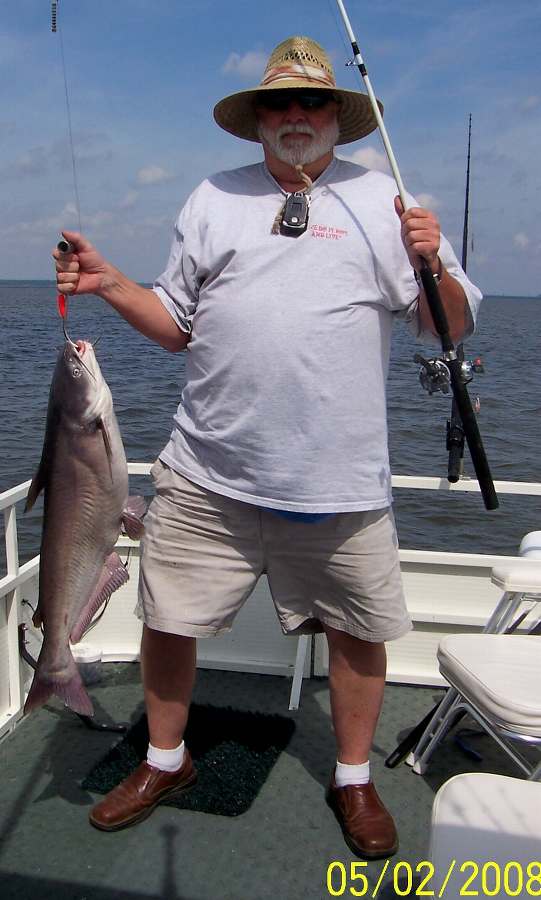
(64, 246)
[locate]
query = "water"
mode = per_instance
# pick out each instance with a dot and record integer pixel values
(146, 382)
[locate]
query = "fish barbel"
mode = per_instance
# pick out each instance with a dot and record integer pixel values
(84, 476)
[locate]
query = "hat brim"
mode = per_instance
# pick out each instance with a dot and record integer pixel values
(236, 113)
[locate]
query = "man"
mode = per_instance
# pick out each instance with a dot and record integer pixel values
(283, 281)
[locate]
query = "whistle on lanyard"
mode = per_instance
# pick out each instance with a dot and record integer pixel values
(295, 216)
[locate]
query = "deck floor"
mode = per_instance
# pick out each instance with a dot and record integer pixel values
(279, 849)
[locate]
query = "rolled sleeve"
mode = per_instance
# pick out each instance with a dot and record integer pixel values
(176, 287)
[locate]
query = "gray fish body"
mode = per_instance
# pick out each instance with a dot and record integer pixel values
(84, 475)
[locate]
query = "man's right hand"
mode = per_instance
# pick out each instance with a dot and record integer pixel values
(82, 271)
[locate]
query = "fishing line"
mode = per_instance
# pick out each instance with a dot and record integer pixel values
(61, 299)
(56, 28)
(332, 8)
(64, 245)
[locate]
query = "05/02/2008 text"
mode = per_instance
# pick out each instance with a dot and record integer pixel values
(477, 879)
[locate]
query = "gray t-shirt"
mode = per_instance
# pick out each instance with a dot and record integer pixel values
(284, 404)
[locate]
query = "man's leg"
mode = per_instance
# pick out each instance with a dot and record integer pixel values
(357, 681)
(168, 670)
(200, 559)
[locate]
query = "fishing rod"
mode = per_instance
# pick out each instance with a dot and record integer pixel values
(455, 446)
(450, 358)
(455, 431)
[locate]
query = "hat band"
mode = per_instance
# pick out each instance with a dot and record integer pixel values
(306, 73)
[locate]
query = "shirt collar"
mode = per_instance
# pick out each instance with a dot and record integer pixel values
(320, 180)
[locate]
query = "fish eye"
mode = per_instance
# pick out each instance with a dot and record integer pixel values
(77, 372)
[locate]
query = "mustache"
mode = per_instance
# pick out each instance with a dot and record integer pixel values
(297, 128)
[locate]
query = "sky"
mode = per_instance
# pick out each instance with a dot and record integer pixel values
(143, 77)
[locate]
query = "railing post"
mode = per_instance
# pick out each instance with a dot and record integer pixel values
(16, 687)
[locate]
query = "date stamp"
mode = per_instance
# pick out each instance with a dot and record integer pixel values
(469, 879)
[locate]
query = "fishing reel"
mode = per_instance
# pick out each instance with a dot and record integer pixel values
(434, 374)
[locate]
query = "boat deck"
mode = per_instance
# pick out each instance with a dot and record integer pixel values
(280, 848)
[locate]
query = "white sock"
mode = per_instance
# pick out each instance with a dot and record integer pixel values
(346, 774)
(166, 760)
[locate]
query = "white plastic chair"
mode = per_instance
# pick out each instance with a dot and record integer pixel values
(484, 837)
(496, 677)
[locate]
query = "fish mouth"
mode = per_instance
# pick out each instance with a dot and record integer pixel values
(81, 347)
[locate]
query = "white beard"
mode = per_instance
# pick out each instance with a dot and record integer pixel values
(305, 152)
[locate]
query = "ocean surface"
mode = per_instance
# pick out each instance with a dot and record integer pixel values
(146, 382)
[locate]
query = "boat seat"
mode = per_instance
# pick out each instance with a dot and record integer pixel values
(522, 577)
(488, 819)
(495, 675)
(499, 674)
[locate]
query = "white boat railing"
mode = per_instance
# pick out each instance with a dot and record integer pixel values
(12, 585)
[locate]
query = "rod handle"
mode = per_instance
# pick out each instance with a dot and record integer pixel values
(456, 452)
(435, 305)
(460, 393)
(473, 437)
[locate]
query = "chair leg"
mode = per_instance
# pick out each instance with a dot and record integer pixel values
(296, 685)
(503, 613)
(437, 728)
(535, 774)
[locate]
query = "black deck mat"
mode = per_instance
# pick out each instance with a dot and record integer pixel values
(233, 751)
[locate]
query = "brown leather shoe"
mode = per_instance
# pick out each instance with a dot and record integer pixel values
(135, 797)
(368, 829)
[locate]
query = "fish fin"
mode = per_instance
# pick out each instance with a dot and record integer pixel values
(132, 517)
(39, 693)
(71, 691)
(38, 483)
(113, 575)
(106, 439)
(41, 476)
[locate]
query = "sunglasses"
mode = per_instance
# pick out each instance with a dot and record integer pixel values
(281, 100)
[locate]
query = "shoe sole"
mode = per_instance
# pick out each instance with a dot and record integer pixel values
(145, 813)
(358, 851)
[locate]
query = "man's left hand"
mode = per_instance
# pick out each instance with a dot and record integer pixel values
(420, 232)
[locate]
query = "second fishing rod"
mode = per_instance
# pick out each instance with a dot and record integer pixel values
(449, 354)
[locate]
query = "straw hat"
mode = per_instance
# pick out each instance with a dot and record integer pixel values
(297, 62)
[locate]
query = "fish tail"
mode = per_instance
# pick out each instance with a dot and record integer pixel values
(70, 690)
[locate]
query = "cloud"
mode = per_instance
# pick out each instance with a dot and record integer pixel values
(531, 102)
(40, 227)
(152, 175)
(251, 65)
(483, 259)
(90, 149)
(370, 158)
(12, 49)
(140, 229)
(428, 201)
(7, 128)
(129, 200)
(97, 219)
(34, 162)
(521, 240)
(35, 229)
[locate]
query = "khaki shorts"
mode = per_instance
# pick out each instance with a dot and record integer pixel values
(202, 554)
